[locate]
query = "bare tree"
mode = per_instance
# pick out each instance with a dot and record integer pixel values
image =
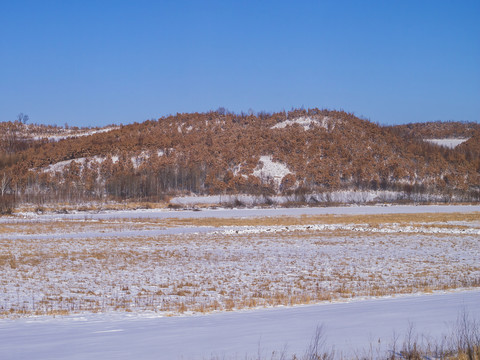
(5, 183)
(23, 118)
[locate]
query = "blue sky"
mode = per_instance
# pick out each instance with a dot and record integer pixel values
(93, 63)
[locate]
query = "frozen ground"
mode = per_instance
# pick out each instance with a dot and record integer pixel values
(251, 212)
(198, 264)
(351, 328)
(109, 272)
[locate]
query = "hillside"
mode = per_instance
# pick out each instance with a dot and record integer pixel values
(297, 153)
(472, 145)
(439, 130)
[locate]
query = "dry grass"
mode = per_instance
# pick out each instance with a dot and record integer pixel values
(433, 220)
(373, 220)
(461, 343)
(90, 207)
(208, 272)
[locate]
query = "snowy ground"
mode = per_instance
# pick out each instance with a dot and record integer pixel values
(165, 263)
(356, 328)
(156, 263)
(341, 197)
(240, 213)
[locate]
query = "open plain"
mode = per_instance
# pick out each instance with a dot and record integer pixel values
(175, 262)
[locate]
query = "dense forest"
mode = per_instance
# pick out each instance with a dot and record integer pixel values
(219, 152)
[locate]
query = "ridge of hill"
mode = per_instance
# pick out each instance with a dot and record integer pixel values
(438, 130)
(297, 152)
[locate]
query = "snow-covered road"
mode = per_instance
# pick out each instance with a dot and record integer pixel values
(353, 326)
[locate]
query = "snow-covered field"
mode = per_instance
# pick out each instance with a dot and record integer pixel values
(242, 213)
(356, 328)
(168, 264)
(115, 269)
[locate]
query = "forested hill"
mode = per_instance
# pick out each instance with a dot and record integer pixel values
(296, 152)
(439, 130)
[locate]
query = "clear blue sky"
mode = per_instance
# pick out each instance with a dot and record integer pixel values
(90, 63)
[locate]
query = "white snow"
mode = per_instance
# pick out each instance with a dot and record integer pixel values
(61, 165)
(449, 143)
(70, 134)
(252, 212)
(343, 197)
(306, 122)
(138, 267)
(141, 158)
(249, 200)
(350, 327)
(137, 160)
(366, 228)
(97, 262)
(268, 169)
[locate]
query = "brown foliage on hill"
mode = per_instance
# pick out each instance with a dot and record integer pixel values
(217, 152)
(438, 130)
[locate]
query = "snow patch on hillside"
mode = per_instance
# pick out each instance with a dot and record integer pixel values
(70, 133)
(306, 122)
(136, 160)
(60, 166)
(449, 143)
(267, 169)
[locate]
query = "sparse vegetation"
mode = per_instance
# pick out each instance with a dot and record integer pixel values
(96, 265)
(462, 343)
